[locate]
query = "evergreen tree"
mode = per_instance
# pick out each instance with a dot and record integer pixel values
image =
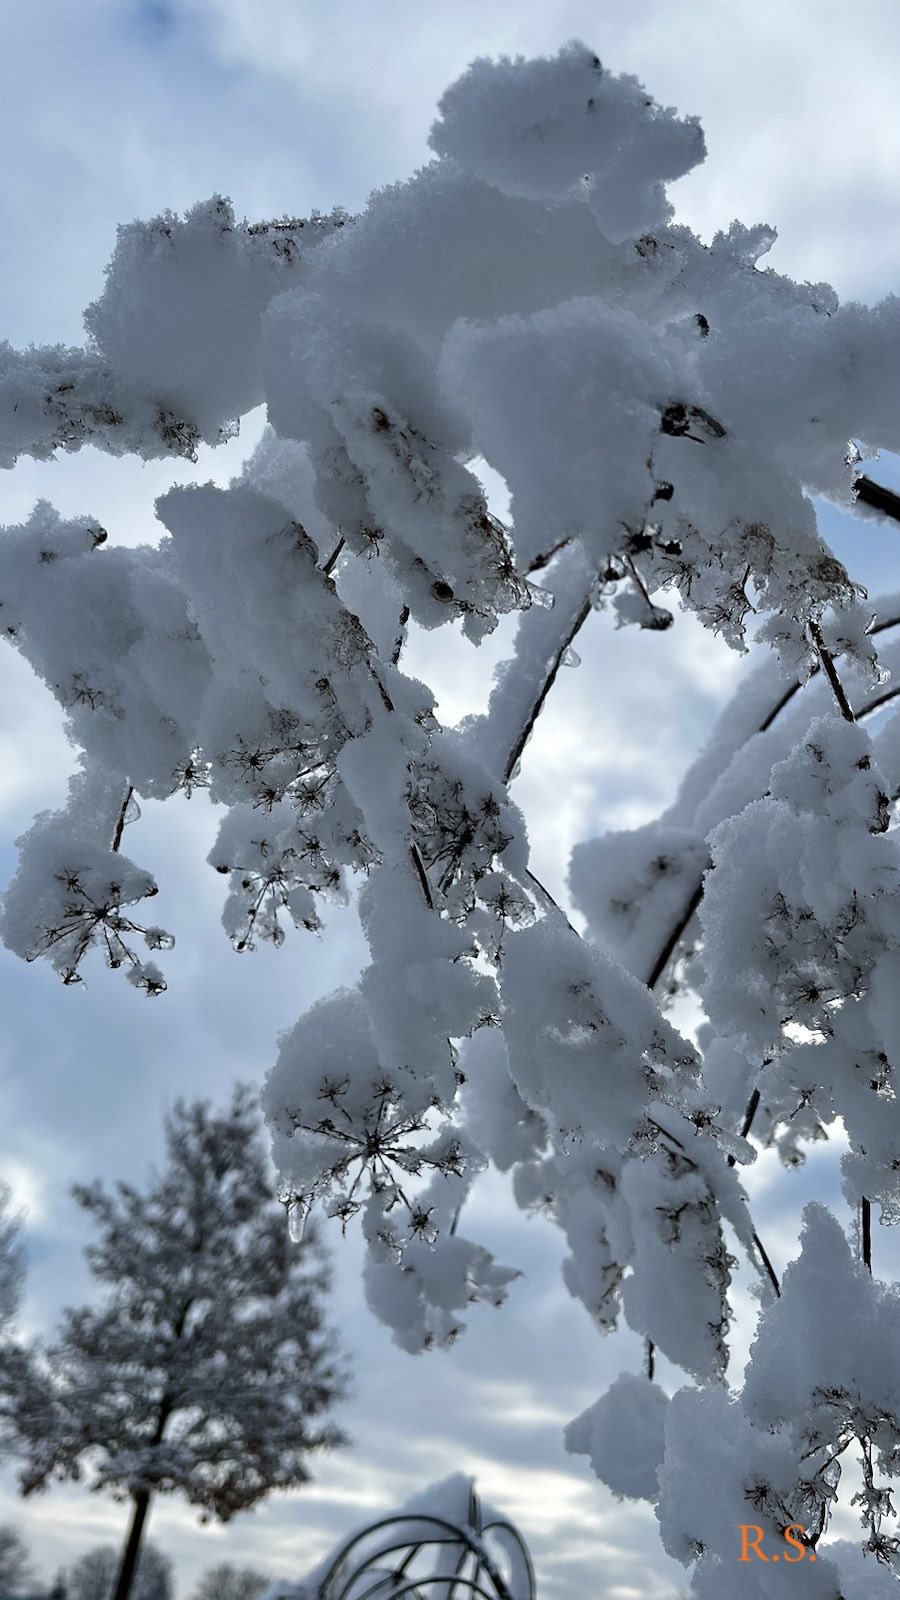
(94, 1574)
(225, 1581)
(15, 1564)
(11, 1260)
(14, 1363)
(206, 1369)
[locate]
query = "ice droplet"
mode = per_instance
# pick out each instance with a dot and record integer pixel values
(541, 597)
(570, 658)
(853, 455)
(297, 1214)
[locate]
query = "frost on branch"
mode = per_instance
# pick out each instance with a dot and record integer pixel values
(587, 1044)
(385, 445)
(801, 931)
(821, 1381)
(353, 1136)
(825, 1360)
(578, 1190)
(72, 891)
(545, 128)
(109, 631)
(632, 887)
(590, 1051)
(799, 876)
(624, 1435)
(160, 373)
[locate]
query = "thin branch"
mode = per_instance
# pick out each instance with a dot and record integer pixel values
(877, 701)
(546, 556)
(639, 583)
(770, 1270)
(575, 623)
(828, 667)
(876, 495)
(120, 824)
(676, 935)
(693, 904)
(422, 875)
(328, 568)
(794, 688)
(386, 700)
(846, 710)
(398, 640)
(548, 898)
(865, 1219)
(757, 1241)
(749, 1114)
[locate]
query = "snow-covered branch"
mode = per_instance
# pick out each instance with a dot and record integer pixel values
(663, 413)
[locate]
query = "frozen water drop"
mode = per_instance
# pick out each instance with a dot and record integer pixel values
(853, 455)
(297, 1215)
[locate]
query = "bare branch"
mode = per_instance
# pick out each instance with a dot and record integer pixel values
(876, 495)
(120, 823)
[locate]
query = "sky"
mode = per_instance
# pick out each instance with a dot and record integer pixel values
(112, 109)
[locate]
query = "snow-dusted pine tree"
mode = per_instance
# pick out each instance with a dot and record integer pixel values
(225, 1581)
(12, 1263)
(206, 1369)
(662, 412)
(16, 1574)
(13, 1360)
(94, 1574)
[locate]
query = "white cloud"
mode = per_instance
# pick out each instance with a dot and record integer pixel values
(26, 1185)
(797, 102)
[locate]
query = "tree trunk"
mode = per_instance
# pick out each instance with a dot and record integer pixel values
(128, 1564)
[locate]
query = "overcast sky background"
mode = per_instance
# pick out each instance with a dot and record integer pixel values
(111, 109)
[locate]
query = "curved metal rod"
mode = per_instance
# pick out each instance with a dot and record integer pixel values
(397, 1572)
(356, 1539)
(460, 1569)
(378, 1554)
(500, 1524)
(460, 1535)
(382, 1579)
(441, 1577)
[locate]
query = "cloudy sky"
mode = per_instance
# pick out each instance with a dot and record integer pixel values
(111, 109)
